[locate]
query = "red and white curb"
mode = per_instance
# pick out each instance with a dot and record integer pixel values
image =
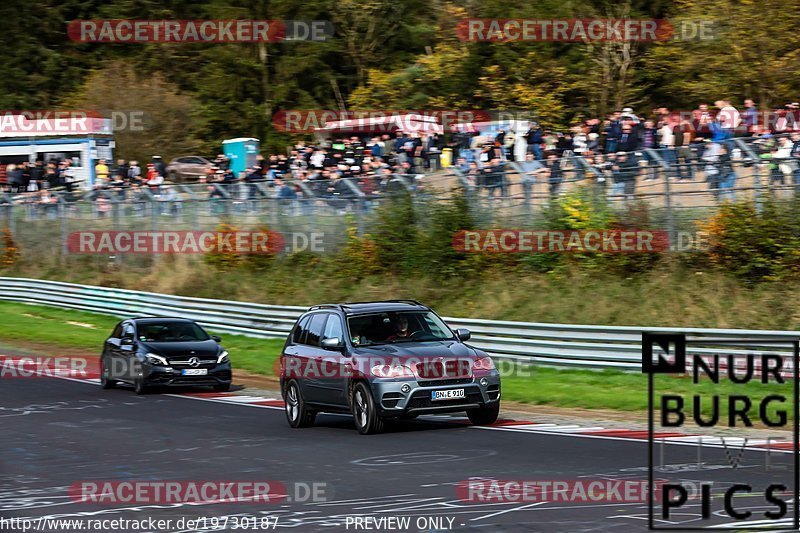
(519, 426)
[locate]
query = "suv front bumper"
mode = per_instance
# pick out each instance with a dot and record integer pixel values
(393, 402)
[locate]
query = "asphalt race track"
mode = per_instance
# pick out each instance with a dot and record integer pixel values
(58, 432)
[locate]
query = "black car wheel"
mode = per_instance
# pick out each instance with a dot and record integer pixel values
(105, 381)
(297, 414)
(138, 385)
(364, 411)
(484, 416)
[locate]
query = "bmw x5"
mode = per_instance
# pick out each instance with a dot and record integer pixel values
(384, 360)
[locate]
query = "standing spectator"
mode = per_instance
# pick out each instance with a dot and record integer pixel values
(649, 141)
(535, 137)
(121, 168)
(101, 173)
(493, 177)
(221, 162)
(134, 171)
(613, 132)
(50, 177)
(14, 177)
(727, 175)
(666, 141)
(473, 174)
(579, 140)
(702, 121)
(530, 168)
(26, 175)
(750, 119)
(786, 165)
(602, 170)
(627, 139)
(711, 156)
(37, 176)
(375, 147)
(159, 165)
(684, 136)
(318, 158)
(554, 175)
(728, 119)
(284, 190)
(624, 171)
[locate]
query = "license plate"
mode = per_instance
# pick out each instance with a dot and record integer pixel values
(194, 371)
(450, 394)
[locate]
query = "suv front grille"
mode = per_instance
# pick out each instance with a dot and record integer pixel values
(445, 369)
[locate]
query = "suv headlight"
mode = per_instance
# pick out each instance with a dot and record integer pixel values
(483, 363)
(223, 357)
(391, 371)
(155, 359)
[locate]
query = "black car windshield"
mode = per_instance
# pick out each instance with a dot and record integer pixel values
(171, 332)
(397, 326)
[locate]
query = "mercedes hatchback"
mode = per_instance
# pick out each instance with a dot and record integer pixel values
(163, 352)
(384, 360)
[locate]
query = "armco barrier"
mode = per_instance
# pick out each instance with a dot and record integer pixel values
(553, 344)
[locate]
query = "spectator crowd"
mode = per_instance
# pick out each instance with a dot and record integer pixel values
(615, 152)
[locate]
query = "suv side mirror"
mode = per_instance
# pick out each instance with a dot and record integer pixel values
(332, 343)
(216, 338)
(463, 334)
(126, 341)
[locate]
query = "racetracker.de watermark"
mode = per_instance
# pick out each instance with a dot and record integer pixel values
(572, 241)
(552, 490)
(434, 367)
(167, 492)
(583, 30)
(192, 242)
(44, 122)
(383, 120)
(198, 31)
(45, 367)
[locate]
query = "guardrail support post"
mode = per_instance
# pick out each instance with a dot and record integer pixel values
(655, 156)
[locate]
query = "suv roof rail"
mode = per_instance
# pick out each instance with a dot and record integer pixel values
(397, 300)
(325, 306)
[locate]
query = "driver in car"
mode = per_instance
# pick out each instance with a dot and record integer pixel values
(401, 329)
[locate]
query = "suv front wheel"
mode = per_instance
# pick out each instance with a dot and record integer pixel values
(483, 416)
(364, 411)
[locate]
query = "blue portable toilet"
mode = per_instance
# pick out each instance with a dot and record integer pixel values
(242, 152)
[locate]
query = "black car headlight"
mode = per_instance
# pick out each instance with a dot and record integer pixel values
(223, 357)
(155, 359)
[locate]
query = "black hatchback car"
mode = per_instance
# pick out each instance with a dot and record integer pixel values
(163, 352)
(384, 360)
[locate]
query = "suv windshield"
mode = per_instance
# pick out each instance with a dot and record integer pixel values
(397, 326)
(171, 332)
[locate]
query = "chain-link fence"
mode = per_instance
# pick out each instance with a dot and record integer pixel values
(680, 185)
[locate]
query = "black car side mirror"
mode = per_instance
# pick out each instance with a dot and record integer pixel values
(126, 341)
(332, 343)
(216, 338)
(463, 334)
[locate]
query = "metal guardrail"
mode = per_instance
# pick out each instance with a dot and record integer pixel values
(525, 342)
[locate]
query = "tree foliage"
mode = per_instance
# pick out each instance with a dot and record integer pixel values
(388, 54)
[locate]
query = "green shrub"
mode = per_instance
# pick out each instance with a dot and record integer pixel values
(756, 244)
